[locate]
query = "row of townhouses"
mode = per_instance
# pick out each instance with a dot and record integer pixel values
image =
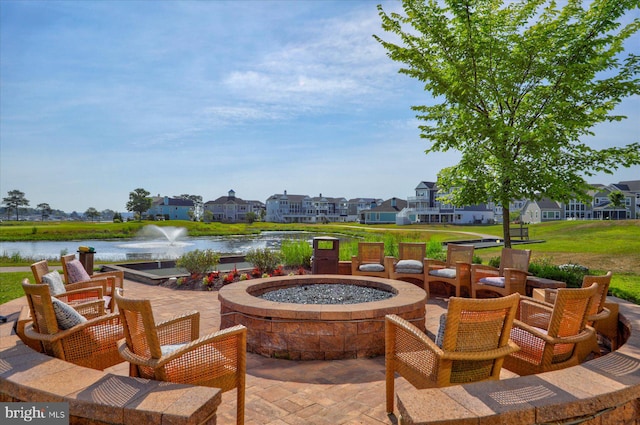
(424, 207)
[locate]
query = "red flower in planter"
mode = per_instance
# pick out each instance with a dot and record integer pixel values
(278, 272)
(301, 270)
(256, 272)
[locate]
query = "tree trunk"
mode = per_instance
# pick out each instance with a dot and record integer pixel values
(505, 226)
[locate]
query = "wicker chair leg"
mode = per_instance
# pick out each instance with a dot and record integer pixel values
(390, 338)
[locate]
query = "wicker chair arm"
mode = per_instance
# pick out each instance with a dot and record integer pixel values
(521, 274)
(216, 337)
(515, 280)
(179, 329)
(573, 339)
(91, 292)
(512, 347)
(390, 262)
(414, 333)
(600, 316)
(480, 271)
(133, 358)
(116, 274)
(88, 284)
(113, 318)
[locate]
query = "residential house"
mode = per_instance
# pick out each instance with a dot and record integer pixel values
(329, 209)
(384, 213)
(356, 206)
(285, 208)
(427, 207)
(166, 208)
(543, 210)
(231, 209)
(603, 209)
(633, 187)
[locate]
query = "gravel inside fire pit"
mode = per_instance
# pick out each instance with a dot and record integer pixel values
(330, 293)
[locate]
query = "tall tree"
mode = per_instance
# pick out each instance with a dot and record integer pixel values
(617, 199)
(14, 201)
(92, 213)
(139, 202)
(45, 210)
(196, 213)
(516, 87)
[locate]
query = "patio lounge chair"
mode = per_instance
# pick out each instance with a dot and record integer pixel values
(472, 344)
(67, 335)
(173, 351)
(74, 293)
(548, 334)
(370, 260)
(74, 272)
(411, 263)
(509, 278)
(597, 312)
(455, 271)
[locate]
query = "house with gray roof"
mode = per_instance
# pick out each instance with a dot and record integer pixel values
(166, 208)
(543, 210)
(384, 213)
(231, 209)
(427, 206)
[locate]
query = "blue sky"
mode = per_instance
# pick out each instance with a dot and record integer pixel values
(98, 98)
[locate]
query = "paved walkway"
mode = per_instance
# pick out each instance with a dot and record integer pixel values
(283, 392)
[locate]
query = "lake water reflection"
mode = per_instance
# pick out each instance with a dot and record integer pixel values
(132, 249)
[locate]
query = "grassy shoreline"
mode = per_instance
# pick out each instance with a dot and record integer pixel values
(598, 245)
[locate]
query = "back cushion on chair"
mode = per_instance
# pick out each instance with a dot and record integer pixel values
(54, 280)
(76, 272)
(66, 316)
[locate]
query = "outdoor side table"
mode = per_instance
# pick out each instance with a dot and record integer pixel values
(543, 283)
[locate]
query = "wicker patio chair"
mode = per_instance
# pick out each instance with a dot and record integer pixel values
(455, 271)
(410, 265)
(73, 293)
(474, 342)
(67, 335)
(370, 260)
(173, 351)
(548, 333)
(597, 312)
(74, 272)
(509, 278)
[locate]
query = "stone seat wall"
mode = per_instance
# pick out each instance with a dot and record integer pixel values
(603, 391)
(97, 397)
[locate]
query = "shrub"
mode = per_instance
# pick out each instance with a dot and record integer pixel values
(571, 274)
(198, 262)
(494, 262)
(296, 253)
(264, 259)
(435, 250)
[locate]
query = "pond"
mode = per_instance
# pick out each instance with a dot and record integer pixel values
(156, 249)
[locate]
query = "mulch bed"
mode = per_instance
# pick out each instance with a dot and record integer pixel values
(216, 280)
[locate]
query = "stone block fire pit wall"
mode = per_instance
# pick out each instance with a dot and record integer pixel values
(318, 331)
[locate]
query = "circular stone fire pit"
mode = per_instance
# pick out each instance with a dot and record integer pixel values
(318, 331)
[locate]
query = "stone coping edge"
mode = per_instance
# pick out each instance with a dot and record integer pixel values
(97, 397)
(602, 391)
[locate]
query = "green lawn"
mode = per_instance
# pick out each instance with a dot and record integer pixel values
(599, 245)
